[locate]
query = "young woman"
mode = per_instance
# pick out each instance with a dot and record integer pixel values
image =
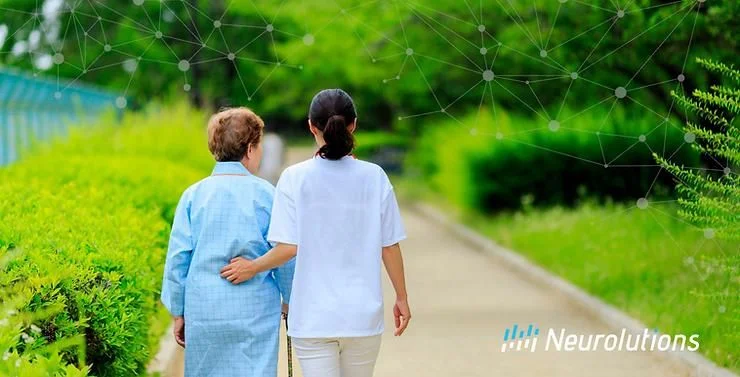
(340, 215)
(228, 328)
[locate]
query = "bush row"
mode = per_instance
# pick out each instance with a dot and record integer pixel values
(499, 162)
(83, 232)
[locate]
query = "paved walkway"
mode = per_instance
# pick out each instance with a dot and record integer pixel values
(462, 301)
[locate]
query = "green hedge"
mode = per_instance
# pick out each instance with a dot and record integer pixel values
(501, 162)
(83, 232)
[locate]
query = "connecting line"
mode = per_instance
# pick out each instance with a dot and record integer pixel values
(657, 48)
(422, 18)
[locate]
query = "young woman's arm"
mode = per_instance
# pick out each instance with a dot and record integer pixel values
(241, 269)
(393, 261)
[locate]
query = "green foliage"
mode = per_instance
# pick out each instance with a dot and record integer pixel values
(84, 230)
(361, 46)
(711, 199)
(508, 162)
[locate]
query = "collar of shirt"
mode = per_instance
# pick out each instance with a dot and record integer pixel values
(230, 168)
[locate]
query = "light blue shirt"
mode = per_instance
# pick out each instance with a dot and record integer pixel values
(227, 327)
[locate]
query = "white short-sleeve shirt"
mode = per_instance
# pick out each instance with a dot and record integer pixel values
(340, 214)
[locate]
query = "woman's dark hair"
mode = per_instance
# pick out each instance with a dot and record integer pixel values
(331, 111)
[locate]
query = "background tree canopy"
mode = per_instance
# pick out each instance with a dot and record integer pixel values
(397, 58)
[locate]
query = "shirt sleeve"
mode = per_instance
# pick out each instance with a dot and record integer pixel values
(179, 255)
(283, 224)
(390, 219)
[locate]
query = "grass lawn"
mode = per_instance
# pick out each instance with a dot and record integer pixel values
(649, 263)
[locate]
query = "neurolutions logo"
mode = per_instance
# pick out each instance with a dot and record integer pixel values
(625, 340)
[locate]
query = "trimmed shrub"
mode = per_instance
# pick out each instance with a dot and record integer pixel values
(83, 230)
(504, 162)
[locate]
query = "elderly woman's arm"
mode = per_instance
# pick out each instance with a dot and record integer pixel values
(241, 269)
(177, 264)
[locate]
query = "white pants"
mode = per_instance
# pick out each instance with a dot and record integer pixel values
(337, 357)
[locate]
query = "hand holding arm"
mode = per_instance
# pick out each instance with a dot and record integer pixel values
(240, 269)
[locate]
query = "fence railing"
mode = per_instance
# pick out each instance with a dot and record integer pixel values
(36, 109)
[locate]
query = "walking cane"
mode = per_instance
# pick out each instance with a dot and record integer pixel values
(290, 348)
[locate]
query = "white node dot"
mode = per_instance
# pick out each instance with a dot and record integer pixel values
(183, 65)
(308, 39)
(701, 1)
(100, 18)
(58, 58)
(269, 28)
(689, 137)
(473, 131)
(107, 48)
(483, 50)
(400, 118)
(481, 28)
(385, 81)
(641, 138)
(709, 233)
(139, 58)
(527, 82)
(554, 125)
(606, 166)
(620, 13)
(138, 2)
(543, 53)
(83, 71)
(488, 75)
(202, 45)
(620, 92)
(300, 67)
(231, 56)
(642, 203)
(158, 34)
(249, 98)
(689, 260)
(499, 135)
(398, 77)
(563, 1)
(121, 102)
(85, 34)
(722, 309)
(442, 110)
(58, 95)
(409, 51)
(726, 171)
(279, 64)
(217, 24)
(681, 78)
(186, 87)
(573, 75)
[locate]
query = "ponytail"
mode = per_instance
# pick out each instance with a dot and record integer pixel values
(332, 111)
(339, 141)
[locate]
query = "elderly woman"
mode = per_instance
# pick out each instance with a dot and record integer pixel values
(228, 327)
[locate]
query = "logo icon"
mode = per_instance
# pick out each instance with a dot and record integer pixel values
(514, 341)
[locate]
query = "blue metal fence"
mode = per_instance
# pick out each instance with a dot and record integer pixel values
(34, 109)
